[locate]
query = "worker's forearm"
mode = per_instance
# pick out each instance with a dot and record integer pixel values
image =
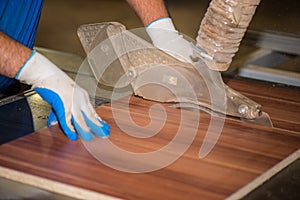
(149, 10)
(12, 55)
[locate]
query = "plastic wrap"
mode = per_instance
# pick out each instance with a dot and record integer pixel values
(223, 28)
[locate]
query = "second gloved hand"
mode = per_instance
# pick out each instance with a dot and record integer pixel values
(70, 103)
(165, 37)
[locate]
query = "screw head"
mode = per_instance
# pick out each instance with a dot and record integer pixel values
(243, 109)
(130, 73)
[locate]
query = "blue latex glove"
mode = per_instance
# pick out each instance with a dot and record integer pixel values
(71, 106)
(165, 37)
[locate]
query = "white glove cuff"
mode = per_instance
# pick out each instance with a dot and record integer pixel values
(25, 64)
(162, 23)
(161, 31)
(36, 69)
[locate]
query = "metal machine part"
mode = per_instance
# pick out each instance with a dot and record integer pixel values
(157, 76)
(22, 114)
(275, 57)
(14, 190)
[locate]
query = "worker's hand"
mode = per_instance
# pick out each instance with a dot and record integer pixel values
(165, 37)
(70, 103)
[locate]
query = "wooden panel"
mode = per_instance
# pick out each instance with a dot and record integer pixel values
(243, 152)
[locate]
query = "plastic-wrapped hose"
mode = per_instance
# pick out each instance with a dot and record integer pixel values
(223, 28)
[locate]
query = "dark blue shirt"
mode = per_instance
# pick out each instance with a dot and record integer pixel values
(19, 20)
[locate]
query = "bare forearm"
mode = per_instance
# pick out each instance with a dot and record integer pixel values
(149, 10)
(12, 55)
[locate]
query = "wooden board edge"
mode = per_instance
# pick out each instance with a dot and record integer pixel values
(264, 177)
(52, 186)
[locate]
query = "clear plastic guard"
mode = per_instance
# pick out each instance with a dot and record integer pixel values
(119, 58)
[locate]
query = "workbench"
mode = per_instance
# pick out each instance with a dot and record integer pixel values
(245, 156)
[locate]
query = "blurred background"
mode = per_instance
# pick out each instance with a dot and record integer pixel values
(61, 18)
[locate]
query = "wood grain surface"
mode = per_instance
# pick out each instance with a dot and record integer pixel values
(244, 151)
